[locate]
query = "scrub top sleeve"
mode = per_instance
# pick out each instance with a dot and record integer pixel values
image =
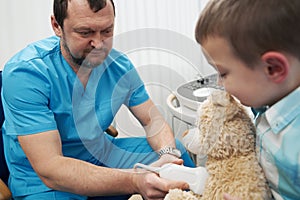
(139, 96)
(25, 98)
(138, 92)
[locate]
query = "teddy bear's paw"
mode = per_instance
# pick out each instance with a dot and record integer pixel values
(177, 194)
(136, 197)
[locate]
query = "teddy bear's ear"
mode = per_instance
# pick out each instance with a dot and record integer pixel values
(220, 98)
(232, 108)
(225, 105)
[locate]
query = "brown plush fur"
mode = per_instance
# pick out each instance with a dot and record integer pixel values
(227, 137)
(177, 194)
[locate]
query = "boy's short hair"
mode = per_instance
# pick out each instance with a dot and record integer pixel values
(252, 27)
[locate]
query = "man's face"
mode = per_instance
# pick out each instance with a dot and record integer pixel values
(86, 38)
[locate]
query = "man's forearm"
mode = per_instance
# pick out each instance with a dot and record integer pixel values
(160, 135)
(76, 176)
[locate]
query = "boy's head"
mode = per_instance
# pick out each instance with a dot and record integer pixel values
(253, 27)
(254, 45)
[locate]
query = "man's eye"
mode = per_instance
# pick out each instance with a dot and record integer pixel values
(85, 33)
(108, 31)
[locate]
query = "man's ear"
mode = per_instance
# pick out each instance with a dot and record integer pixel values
(276, 66)
(56, 27)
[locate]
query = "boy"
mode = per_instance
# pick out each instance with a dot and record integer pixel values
(255, 46)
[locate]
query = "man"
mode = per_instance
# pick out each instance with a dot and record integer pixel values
(60, 94)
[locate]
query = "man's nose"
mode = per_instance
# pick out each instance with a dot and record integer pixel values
(97, 41)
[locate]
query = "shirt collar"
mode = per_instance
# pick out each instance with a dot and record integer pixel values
(283, 112)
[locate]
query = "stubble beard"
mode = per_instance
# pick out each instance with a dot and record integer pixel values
(81, 61)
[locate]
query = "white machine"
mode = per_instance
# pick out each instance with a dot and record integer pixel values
(183, 104)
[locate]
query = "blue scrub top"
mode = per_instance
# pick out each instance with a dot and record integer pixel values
(41, 93)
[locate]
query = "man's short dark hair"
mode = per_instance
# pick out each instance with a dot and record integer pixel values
(60, 8)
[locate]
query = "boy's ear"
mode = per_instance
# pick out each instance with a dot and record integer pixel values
(276, 66)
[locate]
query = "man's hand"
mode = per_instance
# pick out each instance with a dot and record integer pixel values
(151, 186)
(167, 158)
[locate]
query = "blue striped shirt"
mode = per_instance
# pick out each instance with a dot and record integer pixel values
(278, 139)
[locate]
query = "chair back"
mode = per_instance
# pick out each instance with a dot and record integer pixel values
(4, 173)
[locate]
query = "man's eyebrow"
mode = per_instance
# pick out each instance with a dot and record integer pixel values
(111, 26)
(83, 28)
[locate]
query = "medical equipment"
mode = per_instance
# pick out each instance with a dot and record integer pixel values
(184, 102)
(195, 177)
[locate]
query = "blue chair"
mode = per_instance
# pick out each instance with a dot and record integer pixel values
(4, 173)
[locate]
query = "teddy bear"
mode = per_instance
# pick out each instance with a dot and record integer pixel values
(225, 137)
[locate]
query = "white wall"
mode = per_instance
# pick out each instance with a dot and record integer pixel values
(26, 21)
(22, 21)
(157, 35)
